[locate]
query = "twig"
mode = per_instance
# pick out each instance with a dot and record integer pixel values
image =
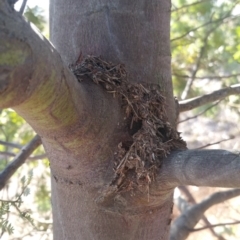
(21, 11)
(214, 225)
(207, 77)
(203, 25)
(191, 199)
(210, 144)
(202, 50)
(18, 161)
(13, 145)
(198, 62)
(181, 204)
(189, 5)
(184, 224)
(187, 194)
(192, 103)
(37, 157)
(213, 105)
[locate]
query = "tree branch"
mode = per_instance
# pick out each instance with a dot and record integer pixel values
(202, 112)
(185, 223)
(39, 86)
(19, 146)
(207, 77)
(229, 17)
(198, 62)
(34, 73)
(21, 11)
(10, 154)
(190, 197)
(215, 225)
(189, 5)
(19, 160)
(213, 168)
(192, 103)
(210, 144)
(12, 145)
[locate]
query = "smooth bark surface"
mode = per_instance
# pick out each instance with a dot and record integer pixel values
(212, 168)
(135, 33)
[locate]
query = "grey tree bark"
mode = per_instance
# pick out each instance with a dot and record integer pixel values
(135, 33)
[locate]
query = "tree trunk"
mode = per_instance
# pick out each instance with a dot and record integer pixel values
(135, 33)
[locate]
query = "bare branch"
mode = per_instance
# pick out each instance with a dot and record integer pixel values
(184, 224)
(198, 62)
(181, 204)
(187, 194)
(215, 225)
(189, 5)
(210, 144)
(205, 24)
(213, 168)
(208, 77)
(19, 160)
(18, 146)
(37, 157)
(34, 67)
(213, 105)
(192, 103)
(9, 144)
(21, 11)
(190, 197)
(35, 73)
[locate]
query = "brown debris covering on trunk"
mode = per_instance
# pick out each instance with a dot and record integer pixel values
(153, 138)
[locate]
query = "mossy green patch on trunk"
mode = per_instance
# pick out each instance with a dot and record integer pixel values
(13, 55)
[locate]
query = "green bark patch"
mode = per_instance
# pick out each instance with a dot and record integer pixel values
(14, 55)
(152, 137)
(48, 106)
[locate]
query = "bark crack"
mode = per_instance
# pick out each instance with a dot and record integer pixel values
(66, 181)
